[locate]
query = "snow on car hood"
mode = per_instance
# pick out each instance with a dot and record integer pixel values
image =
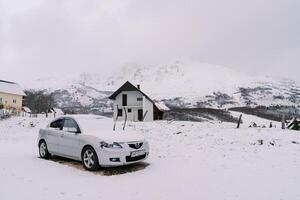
(113, 136)
(102, 128)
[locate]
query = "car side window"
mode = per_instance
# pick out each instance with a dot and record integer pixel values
(70, 126)
(57, 124)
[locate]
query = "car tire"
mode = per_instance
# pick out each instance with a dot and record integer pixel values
(89, 159)
(43, 150)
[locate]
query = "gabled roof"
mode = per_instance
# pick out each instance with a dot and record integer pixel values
(56, 110)
(128, 87)
(7, 82)
(26, 109)
(11, 88)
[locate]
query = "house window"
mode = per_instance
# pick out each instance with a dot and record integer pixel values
(120, 112)
(14, 101)
(129, 110)
(0, 99)
(139, 99)
(124, 99)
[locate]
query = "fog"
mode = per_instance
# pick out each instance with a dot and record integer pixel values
(67, 36)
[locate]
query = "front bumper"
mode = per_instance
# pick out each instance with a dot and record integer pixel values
(118, 157)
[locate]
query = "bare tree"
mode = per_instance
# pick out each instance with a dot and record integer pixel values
(38, 100)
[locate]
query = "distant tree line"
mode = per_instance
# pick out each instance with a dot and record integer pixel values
(38, 100)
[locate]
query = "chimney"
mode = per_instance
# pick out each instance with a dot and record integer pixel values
(138, 86)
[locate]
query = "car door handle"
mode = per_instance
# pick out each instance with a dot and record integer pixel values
(62, 135)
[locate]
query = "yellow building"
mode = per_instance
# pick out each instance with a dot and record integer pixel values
(11, 95)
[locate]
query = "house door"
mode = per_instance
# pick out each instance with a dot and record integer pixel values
(69, 140)
(140, 114)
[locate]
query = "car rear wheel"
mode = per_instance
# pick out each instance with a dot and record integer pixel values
(90, 159)
(43, 150)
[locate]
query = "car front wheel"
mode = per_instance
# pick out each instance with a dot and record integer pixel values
(43, 150)
(90, 159)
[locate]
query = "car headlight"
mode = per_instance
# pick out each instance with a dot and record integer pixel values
(113, 145)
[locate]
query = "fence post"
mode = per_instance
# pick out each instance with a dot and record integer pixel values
(125, 112)
(283, 122)
(239, 122)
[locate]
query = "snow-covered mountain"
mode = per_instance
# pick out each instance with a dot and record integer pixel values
(179, 84)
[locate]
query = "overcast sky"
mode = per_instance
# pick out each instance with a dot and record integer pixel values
(58, 36)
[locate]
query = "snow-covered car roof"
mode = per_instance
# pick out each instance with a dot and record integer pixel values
(86, 117)
(100, 126)
(94, 123)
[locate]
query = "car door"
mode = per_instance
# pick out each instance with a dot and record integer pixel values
(53, 134)
(69, 141)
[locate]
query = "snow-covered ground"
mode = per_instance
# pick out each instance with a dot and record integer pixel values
(188, 160)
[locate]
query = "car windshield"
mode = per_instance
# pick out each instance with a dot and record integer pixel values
(95, 124)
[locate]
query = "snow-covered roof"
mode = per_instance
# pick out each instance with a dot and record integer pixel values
(57, 110)
(161, 106)
(26, 109)
(11, 88)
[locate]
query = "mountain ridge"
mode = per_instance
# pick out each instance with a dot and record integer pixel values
(178, 84)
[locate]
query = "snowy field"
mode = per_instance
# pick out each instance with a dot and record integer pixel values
(188, 160)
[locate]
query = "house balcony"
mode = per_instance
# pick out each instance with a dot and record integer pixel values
(129, 106)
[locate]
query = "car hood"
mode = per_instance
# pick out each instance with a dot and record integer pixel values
(114, 136)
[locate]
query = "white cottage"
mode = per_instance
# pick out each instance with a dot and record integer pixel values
(54, 112)
(129, 101)
(26, 111)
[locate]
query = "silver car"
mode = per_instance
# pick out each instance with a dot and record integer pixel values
(90, 139)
